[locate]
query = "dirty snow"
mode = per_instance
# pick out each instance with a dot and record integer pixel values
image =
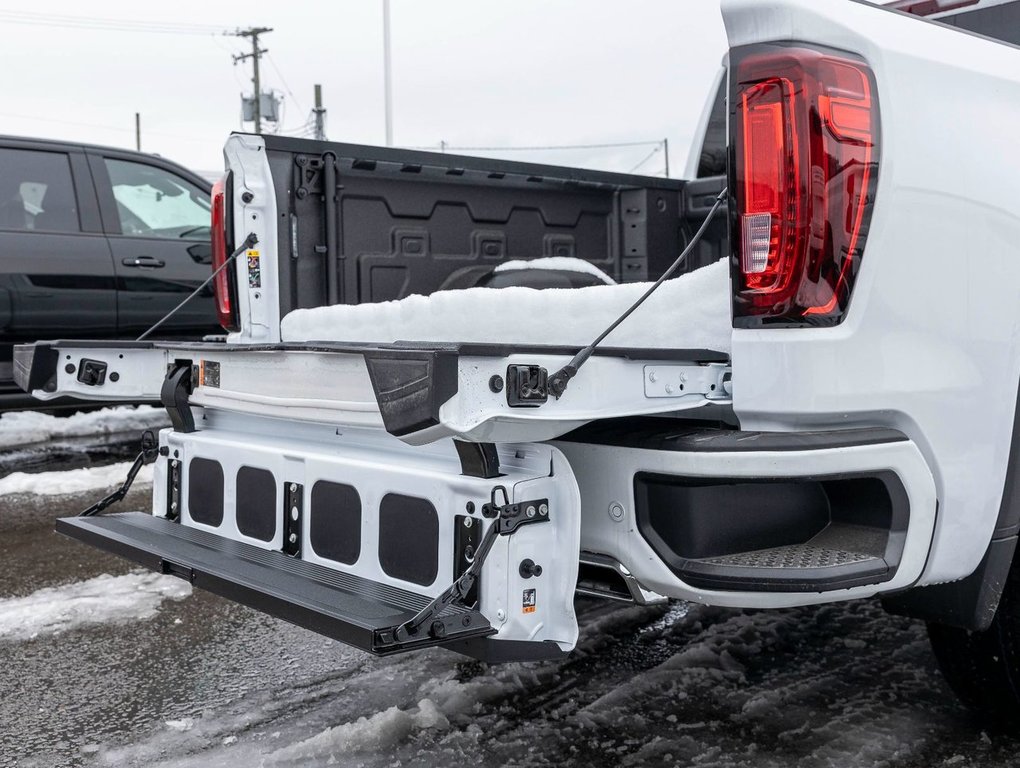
(691, 311)
(683, 685)
(25, 427)
(97, 600)
(73, 480)
(560, 263)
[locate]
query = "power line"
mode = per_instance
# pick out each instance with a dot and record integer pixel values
(283, 80)
(80, 124)
(648, 157)
(106, 24)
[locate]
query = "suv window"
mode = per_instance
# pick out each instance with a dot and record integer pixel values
(713, 150)
(36, 191)
(152, 202)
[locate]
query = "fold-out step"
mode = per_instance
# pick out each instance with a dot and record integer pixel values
(347, 608)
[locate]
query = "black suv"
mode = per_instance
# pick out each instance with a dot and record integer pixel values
(97, 242)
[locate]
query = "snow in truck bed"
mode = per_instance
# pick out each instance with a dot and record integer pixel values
(688, 312)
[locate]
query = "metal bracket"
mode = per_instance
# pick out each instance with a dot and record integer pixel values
(292, 508)
(174, 397)
(428, 623)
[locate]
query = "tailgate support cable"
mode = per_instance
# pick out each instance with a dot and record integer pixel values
(559, 380)
(249, 241)
(145, 456)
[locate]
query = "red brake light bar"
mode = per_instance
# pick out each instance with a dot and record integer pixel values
(225, 284)
(804, 123)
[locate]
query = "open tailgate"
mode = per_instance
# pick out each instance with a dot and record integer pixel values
(418, 392)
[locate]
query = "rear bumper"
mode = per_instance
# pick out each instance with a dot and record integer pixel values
(755, 519)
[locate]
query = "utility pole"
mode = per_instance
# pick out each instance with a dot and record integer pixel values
(387, 73)
(320, 115)
(255, 55)
(665, 147)
(138, 131)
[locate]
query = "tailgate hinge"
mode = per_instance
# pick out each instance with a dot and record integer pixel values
(174, 397)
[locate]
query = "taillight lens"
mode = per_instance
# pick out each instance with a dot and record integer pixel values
(804, 129)
(225, 284)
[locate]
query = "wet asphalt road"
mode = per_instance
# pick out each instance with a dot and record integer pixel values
(207, 683)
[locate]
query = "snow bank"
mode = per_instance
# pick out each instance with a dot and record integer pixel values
(95, 601)
(25, 427)
(560, 263)
(72, 481)
(691, 312)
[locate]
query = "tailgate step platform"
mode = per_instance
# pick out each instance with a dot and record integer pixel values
(342, 606)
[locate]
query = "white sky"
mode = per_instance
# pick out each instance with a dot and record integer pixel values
(470, 72)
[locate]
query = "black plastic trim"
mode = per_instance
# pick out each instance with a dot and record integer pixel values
(969, 603)
(673, 435)
(701, 572)
(35, 367)
(477, 459)
(411, 387)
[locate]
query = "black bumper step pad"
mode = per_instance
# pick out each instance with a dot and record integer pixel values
(342, 606)
(839, 556)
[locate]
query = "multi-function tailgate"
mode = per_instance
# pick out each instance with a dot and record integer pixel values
(419, 393)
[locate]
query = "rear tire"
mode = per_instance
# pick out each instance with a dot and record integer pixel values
(983, 668)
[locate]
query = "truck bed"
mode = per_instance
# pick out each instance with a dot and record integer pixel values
(403, 222)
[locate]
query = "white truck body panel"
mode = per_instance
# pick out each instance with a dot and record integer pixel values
(940, 362)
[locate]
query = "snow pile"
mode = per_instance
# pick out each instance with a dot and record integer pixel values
(691, 311)
(369, 734)
(558, 263)
(72, 481)
(25, 427)
(95, 601)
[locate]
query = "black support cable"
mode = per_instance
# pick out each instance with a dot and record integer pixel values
(559, 380)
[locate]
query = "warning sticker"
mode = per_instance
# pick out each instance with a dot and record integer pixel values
(528, 604)
(254, 270)
(208, 373)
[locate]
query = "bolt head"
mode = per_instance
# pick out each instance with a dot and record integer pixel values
(531, 511)
(669, 389)
(501, 615)
(294, 513)
(543, 510)
(652, 377)
(616, 511)
(292, 538)
(468, 522)
(293, 487)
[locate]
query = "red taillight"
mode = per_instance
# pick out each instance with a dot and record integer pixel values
(225, 280)
(805, 132)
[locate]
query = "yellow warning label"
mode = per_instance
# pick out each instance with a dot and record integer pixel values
(529, 602)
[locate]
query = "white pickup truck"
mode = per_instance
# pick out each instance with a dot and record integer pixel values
(823, 408)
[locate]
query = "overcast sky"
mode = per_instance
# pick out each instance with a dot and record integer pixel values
(470, 72)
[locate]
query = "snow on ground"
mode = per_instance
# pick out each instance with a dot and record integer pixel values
(73, 480)
(98, 600)
(559, 263)
(690, 312)
(25, 427)
(838, 686)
